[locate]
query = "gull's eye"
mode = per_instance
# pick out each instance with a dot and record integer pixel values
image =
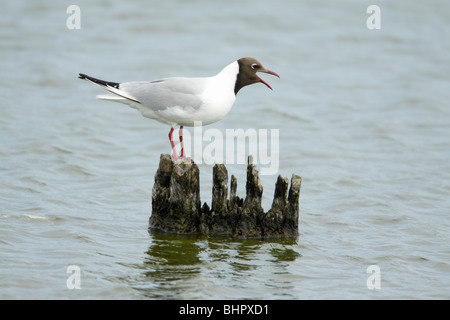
(255, 66)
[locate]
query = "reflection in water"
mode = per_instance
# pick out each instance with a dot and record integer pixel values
(176, 266)
(171, 261)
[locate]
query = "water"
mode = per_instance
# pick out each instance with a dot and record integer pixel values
(363, 118)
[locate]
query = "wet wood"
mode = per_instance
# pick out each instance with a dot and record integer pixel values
(176, 205)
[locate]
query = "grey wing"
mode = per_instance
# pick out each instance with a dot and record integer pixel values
(165, 93)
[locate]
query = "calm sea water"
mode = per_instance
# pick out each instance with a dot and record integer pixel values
(363, 117)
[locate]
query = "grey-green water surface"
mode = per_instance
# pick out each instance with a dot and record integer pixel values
(363, 117)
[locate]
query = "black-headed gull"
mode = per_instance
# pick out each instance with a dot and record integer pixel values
(182, 101)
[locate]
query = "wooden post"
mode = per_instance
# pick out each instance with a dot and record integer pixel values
(176, 205)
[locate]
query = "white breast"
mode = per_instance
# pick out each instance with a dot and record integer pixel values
(219, 95)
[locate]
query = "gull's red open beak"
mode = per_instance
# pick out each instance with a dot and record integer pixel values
(269, 72)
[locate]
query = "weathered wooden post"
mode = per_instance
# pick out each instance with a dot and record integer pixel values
(176, 205)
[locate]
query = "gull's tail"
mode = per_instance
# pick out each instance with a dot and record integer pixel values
(114, 87)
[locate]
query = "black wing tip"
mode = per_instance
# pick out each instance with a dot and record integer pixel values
(98, 81)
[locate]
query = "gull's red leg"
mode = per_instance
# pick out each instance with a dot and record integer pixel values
(174, 152)
(181, 142)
